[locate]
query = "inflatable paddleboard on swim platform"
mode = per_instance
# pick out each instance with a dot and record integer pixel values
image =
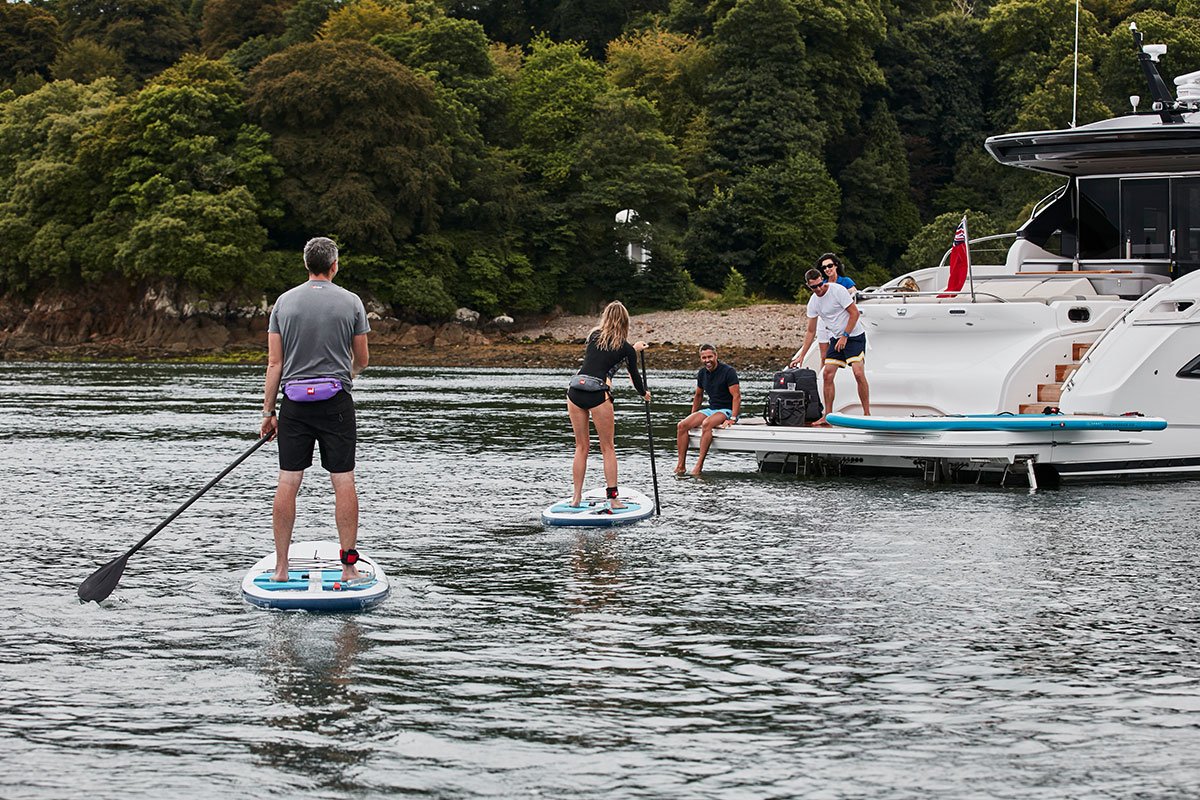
(595, 511)
(315, 581)
(998, 422)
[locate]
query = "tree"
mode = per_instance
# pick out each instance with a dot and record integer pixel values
(1028, 39)
(29, 37)
(356, 135)
(149, 34)
(762, 108)
(552, 103)
(83, 61)
(225, 24)
(878, 214)
(670, 70)
(766, 226)
(930, 244)
(365, 19)
(48, 198)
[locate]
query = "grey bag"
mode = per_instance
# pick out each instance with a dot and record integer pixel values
(586, 383)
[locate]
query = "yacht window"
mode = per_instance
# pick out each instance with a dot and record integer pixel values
(1190, 369)
(1099, 218)
(1145, 218)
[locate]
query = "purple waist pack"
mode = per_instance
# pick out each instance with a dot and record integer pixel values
(311, 390)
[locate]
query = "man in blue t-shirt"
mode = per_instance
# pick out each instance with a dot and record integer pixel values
(720, 382)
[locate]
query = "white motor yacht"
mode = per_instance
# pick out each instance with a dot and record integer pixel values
(1095, 310)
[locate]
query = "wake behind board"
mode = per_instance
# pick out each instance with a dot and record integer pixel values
(314, 581)
(998, 422)
(595, 510)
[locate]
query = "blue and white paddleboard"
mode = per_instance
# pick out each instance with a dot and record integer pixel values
(596, 511)
(314, 581)
(998, 422)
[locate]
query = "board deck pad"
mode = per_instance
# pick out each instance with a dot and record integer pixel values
(999, 422)
(314, 581)
(597, 512)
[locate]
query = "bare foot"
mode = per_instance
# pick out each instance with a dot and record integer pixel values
(576, 502)
(681, 470)
(350, 573)
(615, 504)
(280, 577)
(695, 472)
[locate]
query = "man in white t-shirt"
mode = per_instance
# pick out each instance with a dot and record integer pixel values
(837, 312)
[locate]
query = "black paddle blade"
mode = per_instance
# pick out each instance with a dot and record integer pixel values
(100, 584)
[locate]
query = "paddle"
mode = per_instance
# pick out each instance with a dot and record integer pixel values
(650, 436)
(100, 584)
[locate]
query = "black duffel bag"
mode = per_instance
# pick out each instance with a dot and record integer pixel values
(786, 407)
(804, 380)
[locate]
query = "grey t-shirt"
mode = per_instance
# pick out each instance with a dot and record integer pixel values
(318, 321)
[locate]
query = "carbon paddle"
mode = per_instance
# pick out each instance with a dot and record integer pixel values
(100, 584)
(650, 436)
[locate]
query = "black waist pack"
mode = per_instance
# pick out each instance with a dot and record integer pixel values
(804, 380)
(786, 407)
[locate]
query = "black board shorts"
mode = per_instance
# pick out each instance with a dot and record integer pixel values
(329, 423)
(587, 400)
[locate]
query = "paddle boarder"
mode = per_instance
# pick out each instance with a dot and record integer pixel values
(834, 308)
(316, 346)
(720, 382)
(590, 396)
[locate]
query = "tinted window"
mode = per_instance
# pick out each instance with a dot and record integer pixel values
(1190, 369)
(1099, 218)
(1145, 218)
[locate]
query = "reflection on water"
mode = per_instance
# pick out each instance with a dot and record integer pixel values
(766, 637)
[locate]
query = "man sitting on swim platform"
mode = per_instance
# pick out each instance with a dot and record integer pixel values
(720, 382)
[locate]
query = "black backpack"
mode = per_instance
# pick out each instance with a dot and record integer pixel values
(799, 379)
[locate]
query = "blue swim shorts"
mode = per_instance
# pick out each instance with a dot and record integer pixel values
(708, 412)
(856, 348)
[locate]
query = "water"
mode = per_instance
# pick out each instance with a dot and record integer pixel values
(768, 636)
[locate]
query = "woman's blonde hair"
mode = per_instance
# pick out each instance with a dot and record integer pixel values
(614, 326)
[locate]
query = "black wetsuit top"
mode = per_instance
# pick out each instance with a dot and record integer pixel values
(598, 363)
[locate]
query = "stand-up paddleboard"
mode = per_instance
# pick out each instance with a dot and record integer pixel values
(596, 512)
(998, 422)
(315, 581)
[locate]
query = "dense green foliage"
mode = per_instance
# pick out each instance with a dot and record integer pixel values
(481, 154)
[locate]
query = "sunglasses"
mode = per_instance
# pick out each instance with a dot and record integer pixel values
(817, 285)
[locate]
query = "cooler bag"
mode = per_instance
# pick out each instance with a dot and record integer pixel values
(802, 380)
(786, 407)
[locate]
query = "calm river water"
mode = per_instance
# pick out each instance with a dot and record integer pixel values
(767, 636)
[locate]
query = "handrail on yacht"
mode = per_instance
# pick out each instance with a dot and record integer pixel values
(1092, 347)
(946, 255)
(870, 294)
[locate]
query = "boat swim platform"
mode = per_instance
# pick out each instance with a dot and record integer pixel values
(1023, 457)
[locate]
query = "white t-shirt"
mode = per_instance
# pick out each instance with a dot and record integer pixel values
(830, 311)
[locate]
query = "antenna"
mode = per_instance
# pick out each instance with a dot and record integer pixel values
(1075, 81)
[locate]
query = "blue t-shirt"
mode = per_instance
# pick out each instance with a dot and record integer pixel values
(716, 385)
(844, 281)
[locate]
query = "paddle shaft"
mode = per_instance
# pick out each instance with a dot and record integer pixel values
(650, 436)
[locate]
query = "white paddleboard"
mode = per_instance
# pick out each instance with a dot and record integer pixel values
(314, 581)
(595, 511)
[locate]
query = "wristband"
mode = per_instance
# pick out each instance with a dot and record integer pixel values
(268, 414)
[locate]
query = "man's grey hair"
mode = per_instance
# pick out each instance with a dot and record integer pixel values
(704, 347)
(320, 254)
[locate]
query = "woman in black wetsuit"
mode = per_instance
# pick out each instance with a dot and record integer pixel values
(606, 347)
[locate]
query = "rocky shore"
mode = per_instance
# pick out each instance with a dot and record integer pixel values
(157, 323)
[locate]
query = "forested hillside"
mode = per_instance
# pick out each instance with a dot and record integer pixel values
(477, 153)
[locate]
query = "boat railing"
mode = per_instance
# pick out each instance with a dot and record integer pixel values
(873, 293)
(971, 243)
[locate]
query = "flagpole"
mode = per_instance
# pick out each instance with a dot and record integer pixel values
(967, 248)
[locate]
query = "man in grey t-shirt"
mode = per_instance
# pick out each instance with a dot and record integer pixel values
(317, 330)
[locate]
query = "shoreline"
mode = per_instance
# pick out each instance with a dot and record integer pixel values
(763, 336)
(537, 355)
